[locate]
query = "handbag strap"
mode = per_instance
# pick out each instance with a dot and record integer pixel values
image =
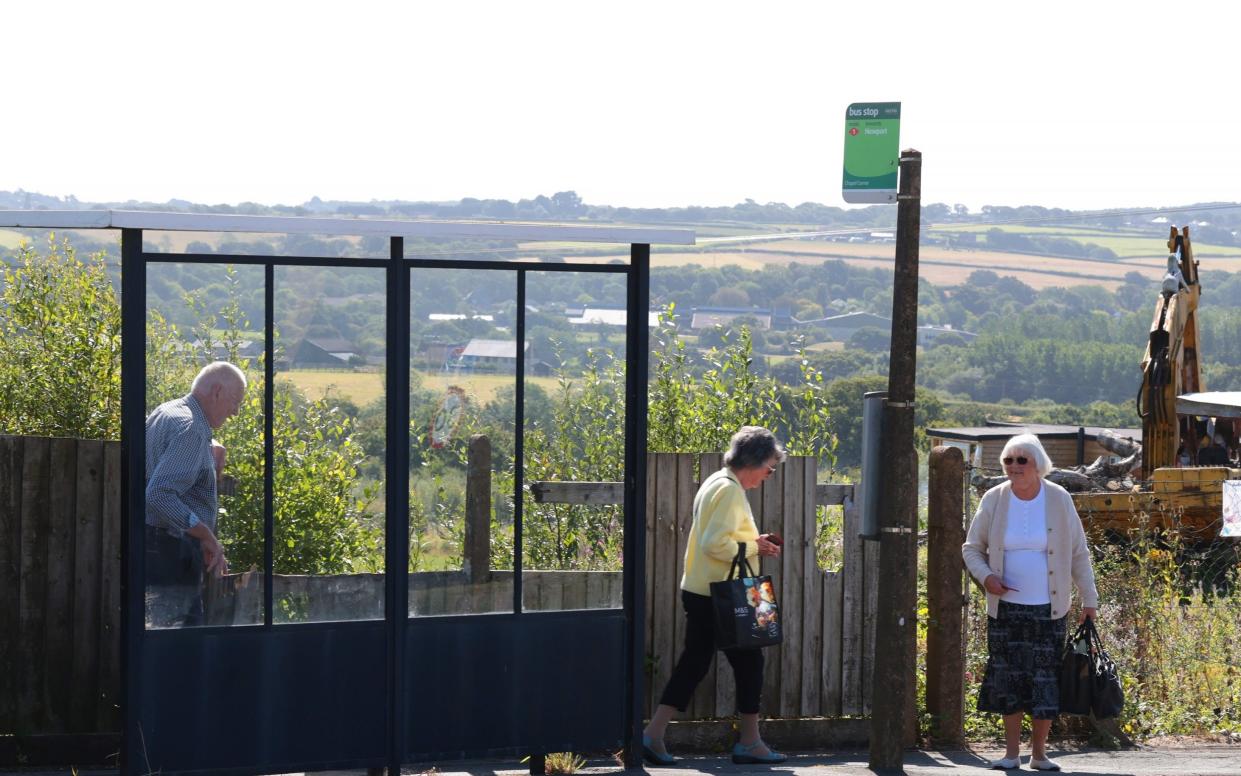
(1095, 639)
(1081, 634)
(740, 564)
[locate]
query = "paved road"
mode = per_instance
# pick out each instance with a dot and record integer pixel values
(1220, 760)
(1209, 760)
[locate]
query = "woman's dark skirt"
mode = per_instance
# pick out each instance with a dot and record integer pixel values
(1023, 646)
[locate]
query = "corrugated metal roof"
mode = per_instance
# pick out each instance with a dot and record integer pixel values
(606, 316)
(1220, 404)
(485, 348)
(1004, 431)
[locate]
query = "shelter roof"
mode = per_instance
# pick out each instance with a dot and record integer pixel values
(216, 222)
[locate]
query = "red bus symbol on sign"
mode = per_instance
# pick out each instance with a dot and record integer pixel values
(853, 131)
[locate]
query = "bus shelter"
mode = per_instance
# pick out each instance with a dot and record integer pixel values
(299, 668)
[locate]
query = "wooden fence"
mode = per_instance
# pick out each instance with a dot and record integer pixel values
(60, 593)
(60, 588)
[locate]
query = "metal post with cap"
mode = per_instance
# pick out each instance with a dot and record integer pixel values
(896, 619)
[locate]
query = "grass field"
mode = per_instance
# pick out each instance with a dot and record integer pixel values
(951, 267)
(1138, 251)
(1206, 263)
(10, 240)
(1126, 244)
(938, 265)
(824, 347)
(362, 388)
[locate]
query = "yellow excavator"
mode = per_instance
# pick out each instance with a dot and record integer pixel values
(1181, 424)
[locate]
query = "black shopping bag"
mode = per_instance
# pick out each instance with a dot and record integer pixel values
(746, 613)
(1089, 681)
(1107, 699)
(1077, 673)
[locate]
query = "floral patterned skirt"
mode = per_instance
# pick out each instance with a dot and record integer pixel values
(1023, 647)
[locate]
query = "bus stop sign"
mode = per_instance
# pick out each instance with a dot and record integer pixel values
(872, 151)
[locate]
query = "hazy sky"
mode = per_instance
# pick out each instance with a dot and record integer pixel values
(1082, 105)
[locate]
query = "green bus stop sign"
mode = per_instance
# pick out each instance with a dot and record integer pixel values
(872, 151)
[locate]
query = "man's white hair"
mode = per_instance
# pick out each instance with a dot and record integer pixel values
(1028, 443)
(220, 373)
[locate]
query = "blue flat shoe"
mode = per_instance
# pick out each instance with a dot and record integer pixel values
(743, 754)
(653, 757)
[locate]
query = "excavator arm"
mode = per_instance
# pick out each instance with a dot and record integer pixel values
(1170, 364)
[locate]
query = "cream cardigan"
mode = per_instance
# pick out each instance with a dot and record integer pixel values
(1068, 555)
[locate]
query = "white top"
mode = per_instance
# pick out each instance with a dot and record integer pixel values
(215, 222)
(1025, 551)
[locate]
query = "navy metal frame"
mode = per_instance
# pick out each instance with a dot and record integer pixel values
(328, 695)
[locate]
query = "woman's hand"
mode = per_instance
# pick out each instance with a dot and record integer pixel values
(768, 547)
(1087, 612)
(995, 586)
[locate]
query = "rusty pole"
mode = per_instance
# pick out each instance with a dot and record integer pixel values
(945, 650)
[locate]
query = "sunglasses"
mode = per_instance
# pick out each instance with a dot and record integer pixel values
(771, 470)
(1021, 460)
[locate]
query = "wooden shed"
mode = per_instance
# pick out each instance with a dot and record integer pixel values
(1066, 445)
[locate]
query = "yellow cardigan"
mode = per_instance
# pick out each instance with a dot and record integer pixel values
(722, 517)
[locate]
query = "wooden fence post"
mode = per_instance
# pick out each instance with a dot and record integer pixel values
(477, 555)
(945, 650)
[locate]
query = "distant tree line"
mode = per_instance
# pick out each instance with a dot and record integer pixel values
(1216, 226)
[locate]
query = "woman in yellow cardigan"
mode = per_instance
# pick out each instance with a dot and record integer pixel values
(722, 518)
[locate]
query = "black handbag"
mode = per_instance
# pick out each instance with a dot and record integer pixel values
(746, 613)
(1077, 673)
(1089, 681)
(1107, 698)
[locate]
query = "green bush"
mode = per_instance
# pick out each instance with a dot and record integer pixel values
(60, 345)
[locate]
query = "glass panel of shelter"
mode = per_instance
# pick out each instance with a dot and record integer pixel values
(573, 531)
(204, 470)
(329, 406)
(463, 353)
(329, 442)
(328, 427)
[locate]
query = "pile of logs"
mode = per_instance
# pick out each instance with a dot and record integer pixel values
(1098, 476)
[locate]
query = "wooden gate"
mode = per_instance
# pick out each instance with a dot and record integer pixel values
(823, 667)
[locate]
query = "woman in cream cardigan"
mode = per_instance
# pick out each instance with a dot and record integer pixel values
(1026, 546)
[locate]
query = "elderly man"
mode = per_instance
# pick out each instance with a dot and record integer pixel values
(182, 465)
